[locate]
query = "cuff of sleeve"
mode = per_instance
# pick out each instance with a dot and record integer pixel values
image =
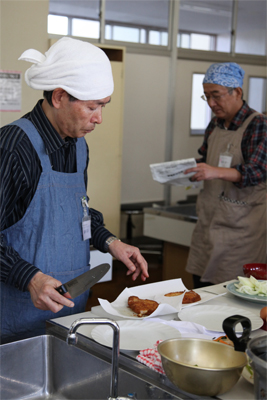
(240, 184)
(21, 274)
(99, 238)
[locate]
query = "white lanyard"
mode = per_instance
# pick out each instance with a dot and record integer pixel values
(86, 221)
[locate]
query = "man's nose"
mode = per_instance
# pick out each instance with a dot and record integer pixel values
(211, 102)
(97, 116)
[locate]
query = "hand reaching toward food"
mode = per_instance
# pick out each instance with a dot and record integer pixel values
(131, 257)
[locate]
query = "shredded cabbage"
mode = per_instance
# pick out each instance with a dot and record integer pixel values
(251, 286)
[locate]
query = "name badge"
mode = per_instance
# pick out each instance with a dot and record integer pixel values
(225, 158)
(225, 161)
(86, 226)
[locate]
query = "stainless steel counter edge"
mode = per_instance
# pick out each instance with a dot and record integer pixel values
(169, 213)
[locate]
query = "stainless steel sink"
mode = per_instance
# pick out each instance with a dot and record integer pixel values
(46, 367)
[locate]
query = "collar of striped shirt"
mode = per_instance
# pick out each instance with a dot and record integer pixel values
(48, 133)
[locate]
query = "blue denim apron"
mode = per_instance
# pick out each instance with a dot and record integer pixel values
(48, 236)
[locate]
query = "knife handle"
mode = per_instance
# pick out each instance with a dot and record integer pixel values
(61, 289)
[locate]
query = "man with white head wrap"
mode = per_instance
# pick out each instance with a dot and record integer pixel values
(231, 226)
(80, 68)
(44, 159)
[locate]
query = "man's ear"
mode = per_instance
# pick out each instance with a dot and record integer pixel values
(239, 92)
(57, 97)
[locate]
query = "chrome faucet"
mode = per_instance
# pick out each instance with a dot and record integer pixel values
(73, 339)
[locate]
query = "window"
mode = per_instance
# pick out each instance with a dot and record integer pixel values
(124, 33)
(251, 27)
(85, 28)
(203, 25)
(196, 41)
(57, 24)
(82, 17)
(143, 21)
(257, 94)
(208, 24)
(200, 111)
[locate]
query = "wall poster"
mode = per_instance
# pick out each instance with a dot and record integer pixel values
(10, 90)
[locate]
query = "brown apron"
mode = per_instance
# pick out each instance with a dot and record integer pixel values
(231, 226)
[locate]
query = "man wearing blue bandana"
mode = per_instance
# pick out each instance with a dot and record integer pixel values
(231, 226)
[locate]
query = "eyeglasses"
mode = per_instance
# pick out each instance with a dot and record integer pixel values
(216, 97)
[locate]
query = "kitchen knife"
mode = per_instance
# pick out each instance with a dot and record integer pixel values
(81, 283)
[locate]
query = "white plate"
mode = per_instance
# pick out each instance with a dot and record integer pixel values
(135, 335)
(212, 317)
(255, 298)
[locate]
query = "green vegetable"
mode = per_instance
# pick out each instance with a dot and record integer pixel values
(249, 368)
(251, 286)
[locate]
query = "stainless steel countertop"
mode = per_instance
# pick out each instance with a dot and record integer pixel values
(184, 212)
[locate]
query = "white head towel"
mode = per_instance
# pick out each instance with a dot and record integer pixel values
(80, 68)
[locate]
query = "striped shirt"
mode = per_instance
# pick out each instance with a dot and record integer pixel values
(20, 171)
(253, 146)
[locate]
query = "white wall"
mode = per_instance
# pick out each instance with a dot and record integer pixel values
(146, 85)
(23, 26)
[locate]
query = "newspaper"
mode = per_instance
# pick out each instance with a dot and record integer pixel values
(171, 172)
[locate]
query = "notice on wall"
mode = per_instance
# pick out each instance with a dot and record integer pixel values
(10, 90)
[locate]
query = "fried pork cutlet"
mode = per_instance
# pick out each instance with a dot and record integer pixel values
(142, 307)
(189, 297)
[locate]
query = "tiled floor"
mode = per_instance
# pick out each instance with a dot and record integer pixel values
(111, 290)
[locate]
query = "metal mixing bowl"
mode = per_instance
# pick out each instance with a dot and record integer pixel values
(202, 367)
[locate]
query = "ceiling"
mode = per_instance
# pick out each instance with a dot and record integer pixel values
(204, 16)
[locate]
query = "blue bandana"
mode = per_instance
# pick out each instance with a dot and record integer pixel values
(225, 74)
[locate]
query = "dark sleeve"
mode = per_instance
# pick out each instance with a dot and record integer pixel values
(14, 270)
(99, 232)
(254, 149)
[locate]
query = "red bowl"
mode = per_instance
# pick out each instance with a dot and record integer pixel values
(257, 270)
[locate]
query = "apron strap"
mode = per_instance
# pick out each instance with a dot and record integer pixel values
(248, 120)
(36, 140)
(81, 154)
(38, 144)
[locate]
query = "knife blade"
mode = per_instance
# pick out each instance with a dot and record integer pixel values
(81, 283)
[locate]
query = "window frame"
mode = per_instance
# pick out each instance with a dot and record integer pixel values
(264, 89)
(198, 132)
(183, 53)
